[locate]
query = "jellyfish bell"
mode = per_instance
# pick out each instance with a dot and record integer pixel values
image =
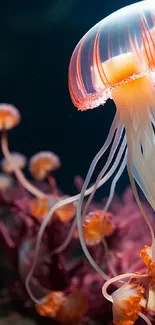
(19, 159)
(42, 163)
(6, 181)
(9, 116)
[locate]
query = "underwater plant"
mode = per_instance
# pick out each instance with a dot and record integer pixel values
(67, 273)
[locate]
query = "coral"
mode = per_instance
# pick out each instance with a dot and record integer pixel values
(69, 269)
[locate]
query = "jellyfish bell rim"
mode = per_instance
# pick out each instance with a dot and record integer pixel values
(99, 98)
(88, 100)
(51, 160)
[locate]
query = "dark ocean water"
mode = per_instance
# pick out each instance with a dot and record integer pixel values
(37, 40)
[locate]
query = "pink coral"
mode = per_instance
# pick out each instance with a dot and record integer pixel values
(69, 269)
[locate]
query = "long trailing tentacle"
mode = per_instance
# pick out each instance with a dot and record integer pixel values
(100, 176)
(48, 217)
(80, 219)
(114, 147)
(143, 148)
(145, 318)
(132, 142)
(68, 239)
(112, 190)
(114, 182)
(114, 166)
(119, 278)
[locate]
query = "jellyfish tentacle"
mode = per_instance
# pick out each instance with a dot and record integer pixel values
(71, 231)
(80, 219)
(73, 227)
(106, 207)
(141, 167)
(19, 174)
(133, 185)
(114, 182)
(113, 149)
(48, 217)
(143, 155)
(68, 239)
(145, 318)
(119, 278)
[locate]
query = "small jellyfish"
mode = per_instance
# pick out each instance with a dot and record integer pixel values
(51, 304)
(6, 181)
(127, 303)
(9, 118)
(19, 160)
(67, 212)
(74, 308)
(95, 228)
(42, 163)
(65, 308)
(39, 207)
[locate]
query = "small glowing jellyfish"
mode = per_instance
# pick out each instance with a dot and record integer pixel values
(6, 181)
(95, 228)
(67, 309)
(52, 304)
(43, 163)
(19, 160)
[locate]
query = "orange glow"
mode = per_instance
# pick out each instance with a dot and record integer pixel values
(127, 304)
(39, 208)
(42, 164)
(73, 309)
(97, 225)
(9, 116)
(66, 212)
(151, 298)
(146, 255)
(120, 68)
(51, 306)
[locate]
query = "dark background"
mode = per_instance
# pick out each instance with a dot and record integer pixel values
(36, 42)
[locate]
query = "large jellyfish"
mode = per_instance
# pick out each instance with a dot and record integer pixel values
(116, 59)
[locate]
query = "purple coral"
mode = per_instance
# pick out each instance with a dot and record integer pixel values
(65, 271)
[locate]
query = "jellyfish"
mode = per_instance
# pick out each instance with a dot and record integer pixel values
(19, 160)
(42, 163)
(6, 181)
(116, 60)
(65, 308)
(94, 230)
